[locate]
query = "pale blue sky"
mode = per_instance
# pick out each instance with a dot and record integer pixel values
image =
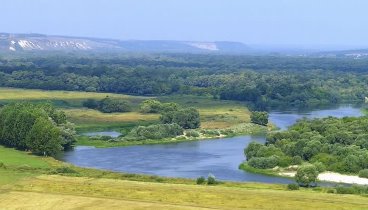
(265, 22)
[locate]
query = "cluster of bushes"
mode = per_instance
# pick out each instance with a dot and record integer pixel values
(108, 105)
(260, 118)
(154, 106)
(333, 144)
(187, 118)
(211, 180)
(159, 131)
(39, 128)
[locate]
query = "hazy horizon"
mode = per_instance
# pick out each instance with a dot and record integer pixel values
(313, 24)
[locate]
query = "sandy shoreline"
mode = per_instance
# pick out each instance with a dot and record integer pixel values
(334, 177)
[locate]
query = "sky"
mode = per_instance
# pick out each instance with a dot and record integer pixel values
(303, 23)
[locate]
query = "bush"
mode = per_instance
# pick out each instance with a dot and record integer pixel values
(201, 180)
(91, 104)
(320, 167)
(306, 175)
(363, 173)
(293, 186)
(296, 160)
(260, 118)
(65, 170)
(158, 131)
(109, 105)
(2, 165)
(192, 133)
(263, 162)
(211, 132)
(150, 106)
(187, 118)
(211, 179)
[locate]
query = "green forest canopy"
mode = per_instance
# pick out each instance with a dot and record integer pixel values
(334, 144)
(260, 80)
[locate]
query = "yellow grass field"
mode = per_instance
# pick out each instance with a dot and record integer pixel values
(58, 192)
(29, 94)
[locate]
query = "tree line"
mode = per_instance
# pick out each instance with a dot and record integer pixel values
(332, 144)
(38, 128)
(260, 80)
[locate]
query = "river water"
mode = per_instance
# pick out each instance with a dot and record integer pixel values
(220, 157)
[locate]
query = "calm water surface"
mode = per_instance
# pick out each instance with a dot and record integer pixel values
(220, 157)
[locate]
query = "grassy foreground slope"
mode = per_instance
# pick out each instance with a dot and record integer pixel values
(26, 183)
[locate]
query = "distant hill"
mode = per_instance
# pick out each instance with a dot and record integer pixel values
(39, 42)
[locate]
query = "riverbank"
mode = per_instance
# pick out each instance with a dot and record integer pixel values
(326, 176)
(29, 181)
(329, 176)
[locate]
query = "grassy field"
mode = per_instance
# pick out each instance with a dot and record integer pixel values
(215, 114)
(34, 187)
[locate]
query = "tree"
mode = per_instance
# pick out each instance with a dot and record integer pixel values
(44, 138)
(151, 106)
(260, 118)
(187, 118)
(306, 175)
(109, 105)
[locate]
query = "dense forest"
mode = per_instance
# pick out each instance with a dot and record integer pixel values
(332, 144)
(261, 80)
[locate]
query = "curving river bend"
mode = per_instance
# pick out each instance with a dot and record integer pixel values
(220, 157)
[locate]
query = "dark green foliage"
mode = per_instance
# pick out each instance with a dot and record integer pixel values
(109, 105)
(330, 144)
(158, 131)
(201, 180)
(192, 133)
(36, 127)
(151, 106)
(363, 173)
(306, 175)
(293, 186)
(260, 118)
(354, 189)
(211, 179)
(264, 162)
(154, 106)
(260, 80)
(187, 118)
(91, 104)
(65, 170)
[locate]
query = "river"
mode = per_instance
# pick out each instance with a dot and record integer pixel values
(220, 157)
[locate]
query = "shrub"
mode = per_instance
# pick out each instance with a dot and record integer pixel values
(211, 179)
(192, 133)
(293, 186)
(306, 175)
(296, 160)
(363, 173)
(263, 162)
(2, 165)
(201, 180)
(260, 118)
(91, 104)
(109, 105)
(150, 106)
(158, 131)
(320, 167)
(211, 132)
(65, 170)
(187, 118)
